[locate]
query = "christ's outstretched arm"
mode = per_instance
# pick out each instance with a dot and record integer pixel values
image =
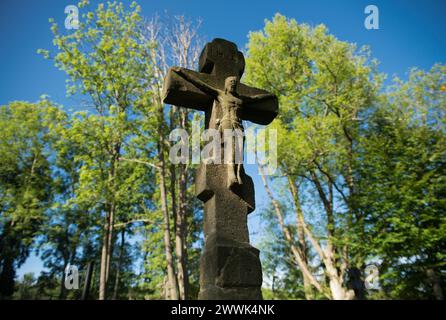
(196, 81)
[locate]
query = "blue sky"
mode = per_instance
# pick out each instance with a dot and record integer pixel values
(412, 33)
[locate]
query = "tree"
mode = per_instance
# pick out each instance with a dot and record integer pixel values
(25, 182)
(324, 87)
(177, 43)
(402, 189)
(106, 62)
(26, 288)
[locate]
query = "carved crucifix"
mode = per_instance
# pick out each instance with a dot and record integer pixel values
(231, 104)
(230, 267)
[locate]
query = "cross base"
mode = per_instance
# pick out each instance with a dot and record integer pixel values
(230, 270)
(229, 266)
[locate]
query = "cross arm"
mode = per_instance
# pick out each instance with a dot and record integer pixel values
(194, 78)
(179, 91)
(259, 106)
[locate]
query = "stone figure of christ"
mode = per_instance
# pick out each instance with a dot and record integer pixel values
(231, 104)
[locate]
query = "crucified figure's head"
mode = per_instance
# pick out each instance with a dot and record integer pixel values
(231, 84)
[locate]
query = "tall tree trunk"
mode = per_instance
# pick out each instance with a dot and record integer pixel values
(435, 281)
(171, 276)
(301, 237)
(295, 250)
(337, 285)
(106, 253)
(176, 210)
(119, 266)
(111, 226)
(338, 288)
(184, 49)
(103, 268)
(107, 240)
(180, 238)
(7, 276)
(181, 226)
(338, 291)
(110, 242)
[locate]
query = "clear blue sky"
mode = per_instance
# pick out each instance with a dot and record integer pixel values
(412, 33)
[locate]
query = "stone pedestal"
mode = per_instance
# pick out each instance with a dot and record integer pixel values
(229, 267)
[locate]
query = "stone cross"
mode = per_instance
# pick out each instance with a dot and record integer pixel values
(229, 266)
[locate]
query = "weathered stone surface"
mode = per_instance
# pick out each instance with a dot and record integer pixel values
(218, 60)
(209, 179)
(222, 58)
(218, 293)
(229, 267)
(230, 263)
(238, 267)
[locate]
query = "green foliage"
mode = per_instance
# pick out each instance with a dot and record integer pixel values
(368, 165)
(107, 160)
(324, 87)
(108, 63)
(106, 58)
(25, 181)
(404, 184)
